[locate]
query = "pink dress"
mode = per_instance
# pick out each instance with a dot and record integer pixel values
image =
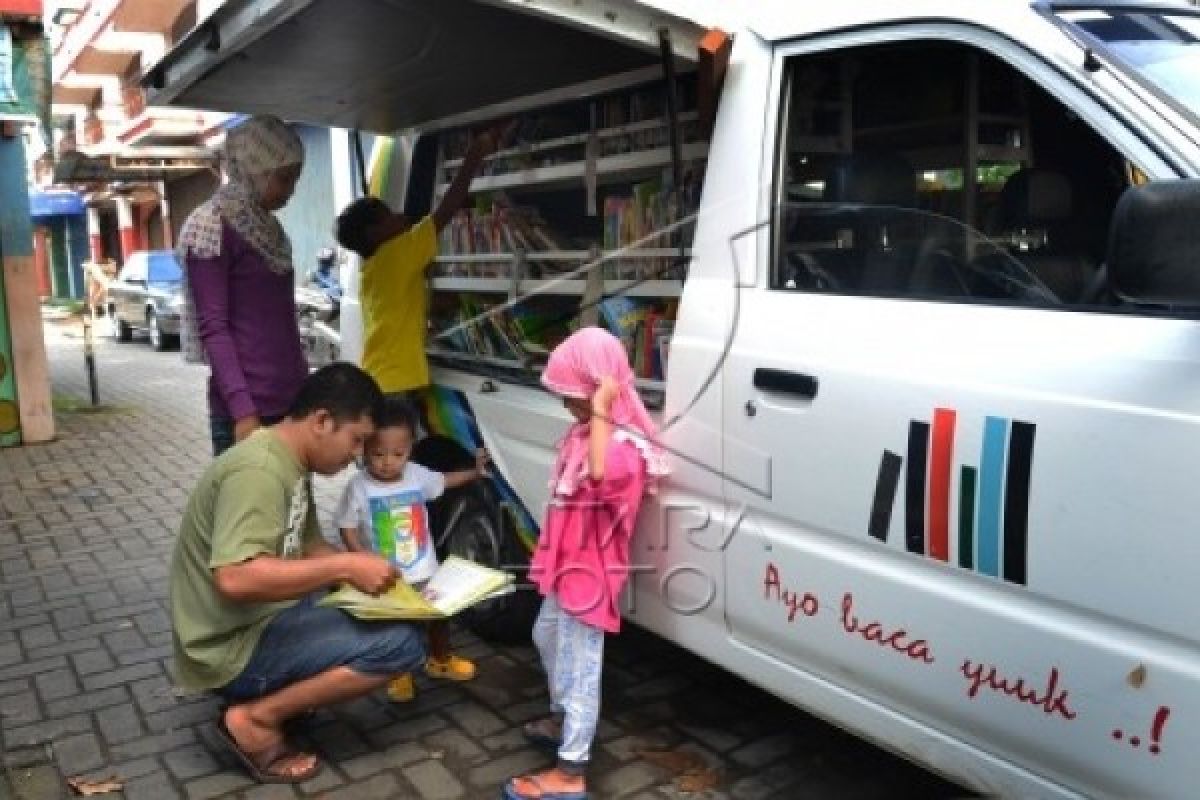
(582, 555)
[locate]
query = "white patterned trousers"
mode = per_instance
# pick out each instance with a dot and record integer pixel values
(573, 655)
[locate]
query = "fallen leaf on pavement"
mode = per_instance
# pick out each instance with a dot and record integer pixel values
(690, 772)
(87, 788)
(698, 781)
(676, 761)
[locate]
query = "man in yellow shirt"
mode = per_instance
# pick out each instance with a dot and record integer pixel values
(395, 255)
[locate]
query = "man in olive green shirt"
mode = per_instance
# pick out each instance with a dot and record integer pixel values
(246, 564)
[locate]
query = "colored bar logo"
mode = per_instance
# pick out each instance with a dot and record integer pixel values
(993, 497)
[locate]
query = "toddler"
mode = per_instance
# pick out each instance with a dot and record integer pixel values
(383, 509)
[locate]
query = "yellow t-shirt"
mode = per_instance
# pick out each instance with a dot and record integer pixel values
(392, 294)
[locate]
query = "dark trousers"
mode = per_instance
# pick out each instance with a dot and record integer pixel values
(221, 430)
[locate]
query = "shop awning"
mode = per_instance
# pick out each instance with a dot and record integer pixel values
(54, 204)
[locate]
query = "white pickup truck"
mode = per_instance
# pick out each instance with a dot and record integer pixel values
(916, 287)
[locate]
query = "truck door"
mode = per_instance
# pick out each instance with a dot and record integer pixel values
(964, 473)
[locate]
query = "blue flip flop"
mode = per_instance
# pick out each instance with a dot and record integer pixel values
(511, 793)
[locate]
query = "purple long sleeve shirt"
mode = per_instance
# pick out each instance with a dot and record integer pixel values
(246, 320)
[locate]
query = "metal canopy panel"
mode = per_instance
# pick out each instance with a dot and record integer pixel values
(387, 65)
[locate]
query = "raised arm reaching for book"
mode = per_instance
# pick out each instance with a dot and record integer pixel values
(482, 146)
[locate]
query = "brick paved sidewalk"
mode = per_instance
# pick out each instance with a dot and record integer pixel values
(86, 529)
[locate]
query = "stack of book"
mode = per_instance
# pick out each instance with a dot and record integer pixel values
(499, 230)
(513, 335)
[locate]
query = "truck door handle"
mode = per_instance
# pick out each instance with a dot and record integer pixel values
(779, 380)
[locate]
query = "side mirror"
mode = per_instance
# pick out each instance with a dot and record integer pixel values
(1154, 245)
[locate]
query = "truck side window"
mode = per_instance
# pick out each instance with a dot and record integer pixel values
(931, 170)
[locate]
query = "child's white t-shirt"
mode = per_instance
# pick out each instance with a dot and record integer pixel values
(392, 518)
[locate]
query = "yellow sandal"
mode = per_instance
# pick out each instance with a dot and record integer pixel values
(450, 668)
(401, 689)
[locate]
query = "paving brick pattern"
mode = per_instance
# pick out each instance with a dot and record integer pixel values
(86, 529)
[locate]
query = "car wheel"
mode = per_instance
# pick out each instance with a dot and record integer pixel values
(158, 340)
(117, 328)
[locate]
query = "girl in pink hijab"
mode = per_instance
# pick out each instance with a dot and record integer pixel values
(606, 460)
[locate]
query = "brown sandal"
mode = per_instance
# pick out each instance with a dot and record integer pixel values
(259, 763)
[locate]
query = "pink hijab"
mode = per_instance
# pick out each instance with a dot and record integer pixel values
(575, 369)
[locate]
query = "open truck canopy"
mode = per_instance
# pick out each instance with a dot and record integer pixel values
(389, 65)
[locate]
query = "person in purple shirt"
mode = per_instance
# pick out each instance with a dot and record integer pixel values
(240, 314)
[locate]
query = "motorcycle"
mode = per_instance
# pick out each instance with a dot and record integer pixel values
(318, 307)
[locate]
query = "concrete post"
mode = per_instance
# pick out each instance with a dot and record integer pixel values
(125, 225)
(95, 238)
(26, 411)
(164, 205)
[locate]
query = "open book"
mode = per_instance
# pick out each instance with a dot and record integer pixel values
(457, 584)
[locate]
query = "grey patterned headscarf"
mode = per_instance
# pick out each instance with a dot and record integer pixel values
(252, 151)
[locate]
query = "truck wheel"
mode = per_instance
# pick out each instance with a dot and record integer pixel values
(479, 533)
(468, 522)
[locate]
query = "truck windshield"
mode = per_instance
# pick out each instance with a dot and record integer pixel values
(1163, 47)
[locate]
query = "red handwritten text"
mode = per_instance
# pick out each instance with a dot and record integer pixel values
(792, 600)
(916, 649)
(1051, 700)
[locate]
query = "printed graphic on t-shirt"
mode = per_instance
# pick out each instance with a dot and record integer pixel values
(297, 513)
(400, 527)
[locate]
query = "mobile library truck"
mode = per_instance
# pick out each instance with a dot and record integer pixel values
(916, 290)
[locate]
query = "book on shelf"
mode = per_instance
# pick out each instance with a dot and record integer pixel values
(457, 585)
(662, 332)
(622, 314)
(533, 143)
(645, 217)
(514, 334)
(645, 331)
(645, 362)
(500, 231)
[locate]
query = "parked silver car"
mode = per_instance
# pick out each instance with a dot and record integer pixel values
(147, 295)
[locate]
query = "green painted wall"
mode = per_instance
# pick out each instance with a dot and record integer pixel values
(16, 228)
(10, 433)
(16, 239)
